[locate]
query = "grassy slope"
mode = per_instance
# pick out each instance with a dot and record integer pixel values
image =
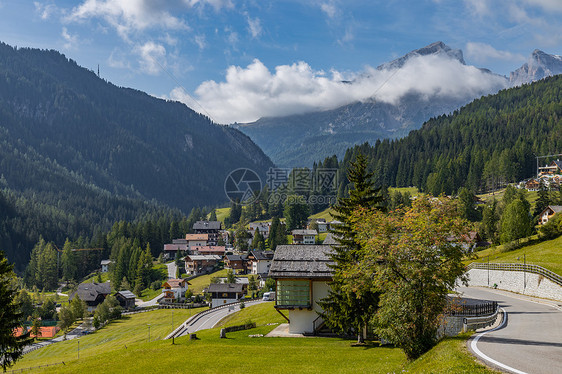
(547, 254)
(222, 213)
(199, 283)
(241, 354)
(127, 332)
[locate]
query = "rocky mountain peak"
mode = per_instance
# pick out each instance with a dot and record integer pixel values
(540, 65)
(436, 48)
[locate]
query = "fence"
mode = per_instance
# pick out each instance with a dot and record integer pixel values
(35, 367)
(473, 310)
(535, 269)
(181, 306)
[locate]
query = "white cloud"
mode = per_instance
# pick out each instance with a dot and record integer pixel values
(478, 7)
(70, 41)
(482, 52)
(254, 26)
(549, 5)
(127, 16)
(118, 60)
(253, 92)
(152, 57)
(201, 41)
(45, 11)
(329, 8)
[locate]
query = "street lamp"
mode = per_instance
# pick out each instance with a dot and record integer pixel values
(78, 340)
(149, 332)
(174, 335)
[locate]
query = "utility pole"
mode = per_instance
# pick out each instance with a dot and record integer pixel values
(524, 272)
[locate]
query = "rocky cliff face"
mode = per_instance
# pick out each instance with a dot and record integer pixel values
(539, 66)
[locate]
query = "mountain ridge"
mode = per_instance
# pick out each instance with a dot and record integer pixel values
(334, 130)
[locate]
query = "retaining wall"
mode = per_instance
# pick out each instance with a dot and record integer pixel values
(516, 281)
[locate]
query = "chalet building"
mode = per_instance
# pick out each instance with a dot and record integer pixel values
(261, 227)
(259, 262)
(302, 274)
(209, 250)
(555, 167)
(126, 299)
(304, 236)
(201, 264)
(197, 240)
(532, 185)
(92, 293)
(212, 228)
(236, 262)
(174, 289)
(105, 265)
(549, 212)
(178, 245)
(225, 293)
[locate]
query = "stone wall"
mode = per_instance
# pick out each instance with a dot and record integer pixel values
(516, 281)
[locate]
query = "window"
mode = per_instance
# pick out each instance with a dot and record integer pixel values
(293, 293)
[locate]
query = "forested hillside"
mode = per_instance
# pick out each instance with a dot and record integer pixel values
(78, 153)
(488, 143)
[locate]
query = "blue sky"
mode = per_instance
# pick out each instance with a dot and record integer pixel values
(229, 55)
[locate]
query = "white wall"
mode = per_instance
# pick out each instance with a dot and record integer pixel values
(302, 320)
(219, 302)
(516, 281)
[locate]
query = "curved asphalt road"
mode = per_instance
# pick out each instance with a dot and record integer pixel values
(530, 341)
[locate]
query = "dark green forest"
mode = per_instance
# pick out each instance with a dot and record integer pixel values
(482, 146)
(78, 153)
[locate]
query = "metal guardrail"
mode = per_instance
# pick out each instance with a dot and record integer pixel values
(535, 269)
(474, 323)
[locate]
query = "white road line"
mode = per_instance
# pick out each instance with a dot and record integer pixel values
(484, 357)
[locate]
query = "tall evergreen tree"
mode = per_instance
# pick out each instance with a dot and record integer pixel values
(346, 310)
(11, 347)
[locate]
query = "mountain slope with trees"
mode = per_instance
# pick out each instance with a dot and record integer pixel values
(487, 143)
(78, 153)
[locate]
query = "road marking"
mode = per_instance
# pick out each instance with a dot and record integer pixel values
(478, 352)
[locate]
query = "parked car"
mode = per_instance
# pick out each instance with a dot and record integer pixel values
(268, 296)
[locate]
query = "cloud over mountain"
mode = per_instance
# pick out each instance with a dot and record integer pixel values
(253, 92)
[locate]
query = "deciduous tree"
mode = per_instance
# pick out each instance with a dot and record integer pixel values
(410, 258)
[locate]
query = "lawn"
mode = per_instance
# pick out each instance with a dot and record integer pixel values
(547, 254)
(94, 278)
(326, 214)
(201, 282)
(413, 191)
(239, 353)
(222, 213)
(531, 196)
(124, 334)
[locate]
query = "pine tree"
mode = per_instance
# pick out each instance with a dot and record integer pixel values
(346, 310)
(12, 346)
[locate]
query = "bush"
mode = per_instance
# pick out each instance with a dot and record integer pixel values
(156, 285)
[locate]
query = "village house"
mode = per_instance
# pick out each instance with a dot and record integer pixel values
(321, 224)
(259, 262)
(555, 167)
(201, 264)
(532, 185)
(211, 228)
(126, 299)
(178, 245)
(174, 290)
(92, 294)
(236, 262)
(225, 293)
(261, 227)
(209, 250)
(105, 265)
(196, 240)
(302, 274)
(548, 213)
(304, 236)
